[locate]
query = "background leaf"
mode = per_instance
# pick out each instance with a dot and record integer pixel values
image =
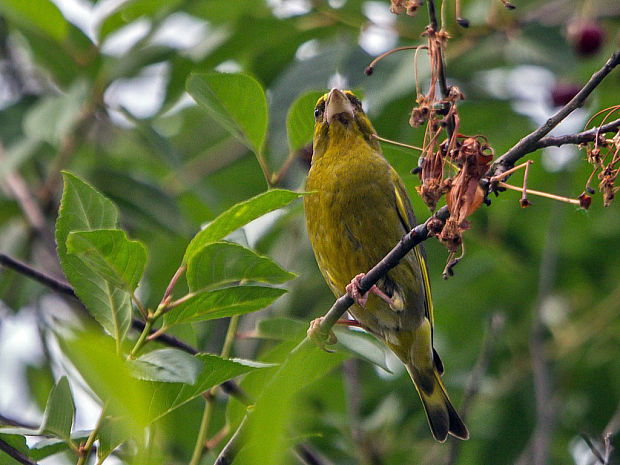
(111, 255)
(300, 120)
(59, 411)
(222, 263)
(82, 208)
(236, 101)
(166, 365)
(219, 303)
(239, 215)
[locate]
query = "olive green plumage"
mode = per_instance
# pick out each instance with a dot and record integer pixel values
(359, 210)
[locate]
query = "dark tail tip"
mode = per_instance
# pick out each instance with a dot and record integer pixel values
(457, 427)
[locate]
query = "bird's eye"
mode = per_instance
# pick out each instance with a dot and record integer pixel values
(316, 113)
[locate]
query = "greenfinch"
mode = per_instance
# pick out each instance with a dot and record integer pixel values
(356, 213)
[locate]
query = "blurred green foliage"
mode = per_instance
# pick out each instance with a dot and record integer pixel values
(131, 100)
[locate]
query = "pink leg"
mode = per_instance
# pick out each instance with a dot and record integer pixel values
(353, 292)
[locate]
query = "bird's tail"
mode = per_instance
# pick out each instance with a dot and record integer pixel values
(442, 417)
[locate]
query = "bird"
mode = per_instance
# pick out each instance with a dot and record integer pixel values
(356, 211)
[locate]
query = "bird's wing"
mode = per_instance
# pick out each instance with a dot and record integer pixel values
(407, 219)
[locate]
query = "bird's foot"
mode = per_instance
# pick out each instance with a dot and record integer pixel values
(354, 292)
(318, 336)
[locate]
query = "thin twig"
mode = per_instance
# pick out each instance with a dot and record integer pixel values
(529, 143)
(577, 138)
(541, 194)
(43, 278)
(393, 142)
(496, 324)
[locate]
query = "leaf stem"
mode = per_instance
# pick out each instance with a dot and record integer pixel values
(201, 440)
(144, 335)
(84, 451)
(541, 194)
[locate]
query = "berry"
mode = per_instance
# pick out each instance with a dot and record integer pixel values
(562, 93)
(587, 37)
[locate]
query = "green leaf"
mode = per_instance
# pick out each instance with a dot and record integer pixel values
(225, 262)
(239, 215)
(283, 329)
(166, 365)
(59, 411)
(362, 344)
(41, 15)
(300, 120)
(111, 255)
(108, 376)
(219, 303)
(111, 435)
(277, 402)
(168, 396)
(236, 101)
(82, 208)
(53, 118)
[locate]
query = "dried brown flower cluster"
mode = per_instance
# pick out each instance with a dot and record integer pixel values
(401, 6)
(604, 156)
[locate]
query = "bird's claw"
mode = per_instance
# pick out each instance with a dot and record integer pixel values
(319, 337)
(354, 292)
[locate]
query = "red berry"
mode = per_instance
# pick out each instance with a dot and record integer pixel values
(562, 93)
(586, 37)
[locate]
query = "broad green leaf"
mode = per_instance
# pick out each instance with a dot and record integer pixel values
(82, 208)
(41, 15)
(111, 255)
(166, 365)
(239, 215)
(300, 120)
(53, 118)
(276, 404)
(225, 262)
(168, 396)
(109, 377)
(236, 101)
(362, 344)
(283, 329)
(59, 411)
(219, 303)
(112, 433)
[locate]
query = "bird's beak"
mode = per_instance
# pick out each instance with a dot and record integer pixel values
(336, 103)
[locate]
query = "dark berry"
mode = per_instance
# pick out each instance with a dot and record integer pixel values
(562, 93)
(586, 37)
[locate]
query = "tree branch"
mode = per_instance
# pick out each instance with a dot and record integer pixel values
(15, 454)
(529, 143)
(578, 138)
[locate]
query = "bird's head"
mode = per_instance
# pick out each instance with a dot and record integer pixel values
(339, 119)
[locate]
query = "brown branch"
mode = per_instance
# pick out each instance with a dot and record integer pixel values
(15, 454)
(529, 143)
(578, 138)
